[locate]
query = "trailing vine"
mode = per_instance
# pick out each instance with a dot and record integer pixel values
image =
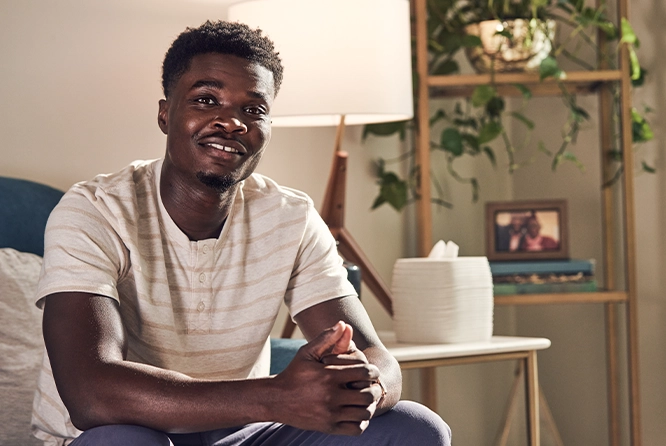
(476, 123)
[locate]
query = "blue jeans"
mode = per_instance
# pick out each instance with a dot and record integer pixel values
(408, 423)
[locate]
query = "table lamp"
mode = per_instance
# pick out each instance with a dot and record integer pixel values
(347, 62)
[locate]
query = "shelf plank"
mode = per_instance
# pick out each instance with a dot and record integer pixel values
(563, 298)
(579, 82)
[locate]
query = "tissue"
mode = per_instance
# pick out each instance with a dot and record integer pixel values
(443, 250)
(442, 298)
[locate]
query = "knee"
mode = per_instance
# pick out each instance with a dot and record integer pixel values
(122, 435)
(416, 424)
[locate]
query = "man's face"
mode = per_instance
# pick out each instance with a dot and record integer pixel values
(517, 222)
(217, 120)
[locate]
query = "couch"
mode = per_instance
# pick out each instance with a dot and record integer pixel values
(24, 210)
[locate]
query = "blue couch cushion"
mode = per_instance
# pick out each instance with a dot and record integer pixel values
(282, 352)
(24, 208)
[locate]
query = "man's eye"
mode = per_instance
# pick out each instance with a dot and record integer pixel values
(256, 110)
(205, 101)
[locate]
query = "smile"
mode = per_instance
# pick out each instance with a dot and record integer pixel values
(223, 148)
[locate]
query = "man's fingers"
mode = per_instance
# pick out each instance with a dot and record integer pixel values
(345, 359)
(326, 342)
(345, 343)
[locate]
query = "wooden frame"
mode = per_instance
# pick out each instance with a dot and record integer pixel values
(547, 218)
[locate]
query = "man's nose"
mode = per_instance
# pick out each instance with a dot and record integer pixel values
(230, 124)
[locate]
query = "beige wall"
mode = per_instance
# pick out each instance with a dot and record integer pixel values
(79, 85)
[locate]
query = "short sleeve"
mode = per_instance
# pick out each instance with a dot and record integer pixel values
(319, 274)
(82, 251)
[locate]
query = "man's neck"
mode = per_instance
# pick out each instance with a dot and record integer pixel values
(199, 212)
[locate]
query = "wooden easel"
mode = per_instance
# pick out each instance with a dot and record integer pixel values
(333, 213)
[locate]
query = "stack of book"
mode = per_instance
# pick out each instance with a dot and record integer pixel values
(543, 276)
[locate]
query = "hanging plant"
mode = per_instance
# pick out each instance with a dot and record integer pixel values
(476, 123)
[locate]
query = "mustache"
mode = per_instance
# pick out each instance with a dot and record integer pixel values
(219, 135)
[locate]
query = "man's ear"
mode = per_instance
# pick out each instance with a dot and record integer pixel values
(163, 116)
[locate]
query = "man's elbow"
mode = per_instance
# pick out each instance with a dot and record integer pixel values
(90, 408)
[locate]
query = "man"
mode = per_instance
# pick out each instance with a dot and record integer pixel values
(510, 237)
(161, 283)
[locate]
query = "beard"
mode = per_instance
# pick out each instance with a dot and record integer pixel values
(219, 183)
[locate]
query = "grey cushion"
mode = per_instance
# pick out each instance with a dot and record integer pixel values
(21, 344)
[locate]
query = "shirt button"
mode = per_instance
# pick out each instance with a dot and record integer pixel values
(206, 249)
(202, 277)
(201, 307)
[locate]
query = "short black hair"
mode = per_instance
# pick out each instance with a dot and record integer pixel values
(221, 37)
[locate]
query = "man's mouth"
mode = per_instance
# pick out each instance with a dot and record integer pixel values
(223, 148)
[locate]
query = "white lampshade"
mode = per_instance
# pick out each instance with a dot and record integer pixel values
(341, 57)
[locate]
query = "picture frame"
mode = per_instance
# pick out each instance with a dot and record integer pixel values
(527, 230)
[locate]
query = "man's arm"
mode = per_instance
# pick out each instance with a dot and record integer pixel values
(87, 348)
(350, 310)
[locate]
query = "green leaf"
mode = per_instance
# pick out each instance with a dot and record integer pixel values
(470, 41)
(472, 141)
(378, 202)
(386, 129)
(629, 38)
(527, 94)
(467, 122)
(522, 118)
(587, 16)
(505, 33)
(495, 106)
(452, 141)
(641, 131)
(563, 5)
(608, 28)
(491, 155)
(438, 116)
(448, 67)
(628, 34)
(641, 78)
(489, 131)
(647, 168)
(635, 64)
(568, 156)
(482, 94)
(450, 42)
(392, 190)
(549, 68)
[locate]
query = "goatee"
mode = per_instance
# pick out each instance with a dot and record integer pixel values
(219, 183)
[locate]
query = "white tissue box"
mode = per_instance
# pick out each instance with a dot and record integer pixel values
(442, 300)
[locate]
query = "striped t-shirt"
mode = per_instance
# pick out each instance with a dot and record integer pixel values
(203, 308)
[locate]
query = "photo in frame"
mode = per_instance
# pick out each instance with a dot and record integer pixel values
(527, 230)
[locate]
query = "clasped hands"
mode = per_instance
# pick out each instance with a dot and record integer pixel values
(330, 386)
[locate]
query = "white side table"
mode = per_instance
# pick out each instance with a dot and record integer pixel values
(428, 356)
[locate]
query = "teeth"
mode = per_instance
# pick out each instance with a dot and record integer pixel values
(224, 148)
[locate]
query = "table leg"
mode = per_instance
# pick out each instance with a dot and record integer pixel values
(429, 388)
(532, 398)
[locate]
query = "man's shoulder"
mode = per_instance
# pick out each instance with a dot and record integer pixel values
(120, 196)
(128, 180)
